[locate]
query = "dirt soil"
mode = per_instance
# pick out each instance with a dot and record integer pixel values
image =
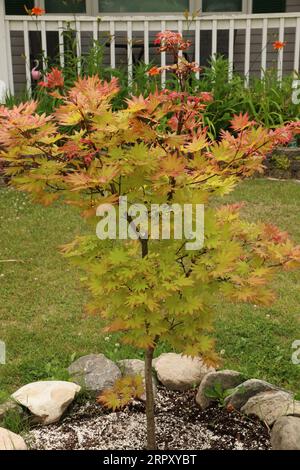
(181, 425)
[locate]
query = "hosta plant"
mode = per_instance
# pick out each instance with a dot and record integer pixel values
(154, 151)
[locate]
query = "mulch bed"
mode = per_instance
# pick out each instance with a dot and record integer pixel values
(181, 425)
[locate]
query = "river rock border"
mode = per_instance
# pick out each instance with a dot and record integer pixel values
(47, 401)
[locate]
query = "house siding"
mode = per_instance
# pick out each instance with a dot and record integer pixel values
(292, 6)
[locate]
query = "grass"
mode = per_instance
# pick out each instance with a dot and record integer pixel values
(41, 298)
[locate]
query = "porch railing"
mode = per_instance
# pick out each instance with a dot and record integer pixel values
(260, 27)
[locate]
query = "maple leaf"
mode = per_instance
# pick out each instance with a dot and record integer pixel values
(197, 144)
(241, 122)
(122, 393)
(53, 79)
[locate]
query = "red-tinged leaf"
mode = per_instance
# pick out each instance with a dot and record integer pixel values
(241, 122)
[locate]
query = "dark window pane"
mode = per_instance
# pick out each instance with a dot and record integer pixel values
(143, 6)
(65, 6)
(222, 5)
(16, 7)
(265, 6)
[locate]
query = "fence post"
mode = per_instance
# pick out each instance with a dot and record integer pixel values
(4, 55)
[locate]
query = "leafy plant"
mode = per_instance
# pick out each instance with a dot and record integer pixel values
(218, 393)
(153, 150)
(123, 391)
(280, 162)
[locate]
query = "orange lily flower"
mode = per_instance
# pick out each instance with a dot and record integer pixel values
(154, 71)
(36, 11)
(277, 45)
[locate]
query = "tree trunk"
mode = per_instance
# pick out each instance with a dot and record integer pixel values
(151, 439)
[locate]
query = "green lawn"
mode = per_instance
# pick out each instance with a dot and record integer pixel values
(42, 318)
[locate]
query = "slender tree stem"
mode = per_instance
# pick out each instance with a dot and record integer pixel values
(151, 439)
(150, 418)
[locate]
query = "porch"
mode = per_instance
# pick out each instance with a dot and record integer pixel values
(245, 39)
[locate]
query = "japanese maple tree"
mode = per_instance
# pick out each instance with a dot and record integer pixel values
(155, 151)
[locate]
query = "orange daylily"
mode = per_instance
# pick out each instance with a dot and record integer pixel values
(277, 45)
(154, 71)
(37, 11)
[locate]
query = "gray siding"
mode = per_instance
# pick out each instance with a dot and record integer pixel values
(18, 60)
(256, 46)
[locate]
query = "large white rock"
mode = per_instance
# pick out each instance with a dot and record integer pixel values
(11, 441)
(47, 400)
(178, 372)
(285, 434)
(272, 405)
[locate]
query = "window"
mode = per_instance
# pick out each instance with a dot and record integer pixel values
(16, 7)
(265, 6)
(221, 5)
(65, 6)
(143, 6)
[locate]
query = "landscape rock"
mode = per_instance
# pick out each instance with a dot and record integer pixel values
(95, 372)
(269, 406)
(227, 379)
(136, 367)
(246, 390)
(47, 400)
(178, 372)
(11, 441)
(132, 367)
(285, 434)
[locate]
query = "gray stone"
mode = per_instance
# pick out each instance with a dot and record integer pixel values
(285, 434)
(94, 372)
(227, 379)
(271, 405)
(246, 390)
(178, 372)
(47, 400)
(11, 441)
(132, 367)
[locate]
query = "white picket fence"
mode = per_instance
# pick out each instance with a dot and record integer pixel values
(145, 25)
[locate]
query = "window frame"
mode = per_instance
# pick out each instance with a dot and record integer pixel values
(194, 5)
(246, 4)
(92, 9)
(89, 9)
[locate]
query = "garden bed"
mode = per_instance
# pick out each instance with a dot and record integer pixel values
(180, 425)
(284, 163)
